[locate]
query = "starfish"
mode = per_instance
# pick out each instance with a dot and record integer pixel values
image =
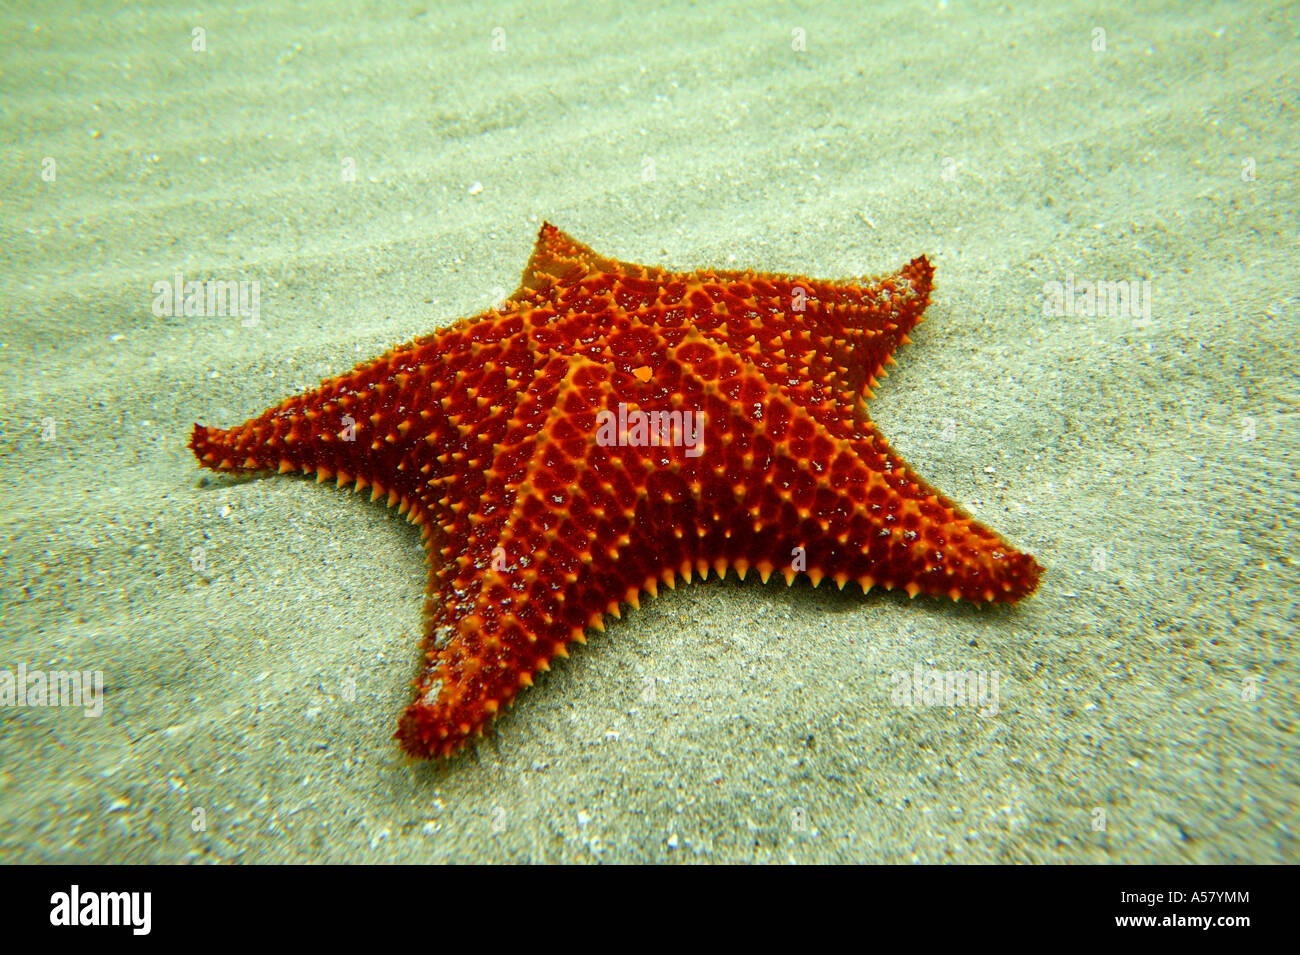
(612, 427)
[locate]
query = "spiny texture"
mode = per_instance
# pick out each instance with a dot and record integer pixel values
(617, 426)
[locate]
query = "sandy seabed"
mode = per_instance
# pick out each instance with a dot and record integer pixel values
(381, 175)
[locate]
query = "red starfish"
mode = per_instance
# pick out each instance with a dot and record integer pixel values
(614, 426)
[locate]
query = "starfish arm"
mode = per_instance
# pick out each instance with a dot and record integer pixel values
(837, 336)
(781, 493)
(400, 424)
(483, 646)
(558, 263)
(477, 658)
(577, 543)
(351, 428)
(871, 519)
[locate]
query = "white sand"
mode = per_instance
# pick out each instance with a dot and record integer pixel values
(723, 721)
